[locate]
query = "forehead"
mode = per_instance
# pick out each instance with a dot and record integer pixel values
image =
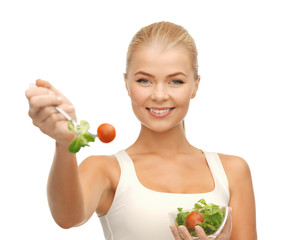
(155, 59)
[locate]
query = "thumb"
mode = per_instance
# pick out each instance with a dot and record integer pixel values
(42, 83)
(48, 85)
(200, 232)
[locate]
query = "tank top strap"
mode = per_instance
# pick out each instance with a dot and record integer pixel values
(217, 169)
(125, 162)
(128, 175)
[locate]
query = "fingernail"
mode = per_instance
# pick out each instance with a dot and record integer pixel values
(197, 229)
(172, 228)
(181, 228)
(51, 92)
(59, 98)
(70, 107)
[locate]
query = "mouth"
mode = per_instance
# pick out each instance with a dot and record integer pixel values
(160, 112)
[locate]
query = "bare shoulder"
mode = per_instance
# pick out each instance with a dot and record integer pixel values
(100, 165)
(235, 167)
(99, 177)
(97, 160)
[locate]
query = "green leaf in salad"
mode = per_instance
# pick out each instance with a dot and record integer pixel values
(202, 201)
(181, 217)
(83, 136)
(213, 217)
(197, 206)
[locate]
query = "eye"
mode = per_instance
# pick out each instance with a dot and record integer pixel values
(177, 82)
(143, 81)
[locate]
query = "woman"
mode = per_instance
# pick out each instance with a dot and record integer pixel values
(133, 190)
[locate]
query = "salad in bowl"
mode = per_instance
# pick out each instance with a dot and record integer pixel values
(210, 217)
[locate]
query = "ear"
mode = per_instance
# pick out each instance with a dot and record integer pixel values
(126, 85)
(196, 87)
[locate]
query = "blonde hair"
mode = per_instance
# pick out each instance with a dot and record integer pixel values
(167, 35)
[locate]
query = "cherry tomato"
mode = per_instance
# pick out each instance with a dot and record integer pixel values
(106, 132)
(193, 219)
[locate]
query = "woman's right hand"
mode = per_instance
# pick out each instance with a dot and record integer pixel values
(42, 102)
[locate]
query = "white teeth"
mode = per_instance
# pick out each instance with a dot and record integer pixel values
(159, 111)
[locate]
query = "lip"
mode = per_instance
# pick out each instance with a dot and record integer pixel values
(160, 112)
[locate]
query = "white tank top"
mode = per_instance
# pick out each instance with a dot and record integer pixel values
(141, 213)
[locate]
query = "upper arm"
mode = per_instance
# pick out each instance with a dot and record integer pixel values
(242, 198)
(97, 175)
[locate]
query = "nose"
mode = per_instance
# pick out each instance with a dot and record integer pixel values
(160, 93)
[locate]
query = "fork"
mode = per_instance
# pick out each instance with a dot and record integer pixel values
(66, 115)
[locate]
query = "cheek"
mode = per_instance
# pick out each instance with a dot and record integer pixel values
(137, 97)
(182, 98)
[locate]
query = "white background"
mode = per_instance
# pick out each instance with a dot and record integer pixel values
(246, 104)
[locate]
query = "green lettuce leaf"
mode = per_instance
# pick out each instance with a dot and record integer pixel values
(83, 136)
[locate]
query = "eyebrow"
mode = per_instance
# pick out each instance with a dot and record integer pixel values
(144, 73)
(170, 75)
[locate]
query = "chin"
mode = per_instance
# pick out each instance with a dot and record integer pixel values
(160, 128)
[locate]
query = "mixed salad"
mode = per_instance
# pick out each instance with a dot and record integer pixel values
(208, 216)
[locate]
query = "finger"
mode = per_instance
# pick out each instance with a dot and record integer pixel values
(200, 232)
(175, 232)
(41, 101)
(33, 91)
(57, 129)
(50, 123)
(66, 109)
(48, 85)
(53, 118)
(46, 112)
(42, 115)
(185, 233)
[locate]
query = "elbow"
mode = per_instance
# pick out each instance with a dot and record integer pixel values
(67, 216)
(69, 223)
(64, 226)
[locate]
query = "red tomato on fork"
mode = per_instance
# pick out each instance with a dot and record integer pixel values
(106, 132)
(193, 219)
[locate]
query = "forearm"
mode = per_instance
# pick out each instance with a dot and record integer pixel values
(64, 190)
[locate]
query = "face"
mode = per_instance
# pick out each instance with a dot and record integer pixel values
(161, 84)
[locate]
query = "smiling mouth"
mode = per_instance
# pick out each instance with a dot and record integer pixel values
(160, 112)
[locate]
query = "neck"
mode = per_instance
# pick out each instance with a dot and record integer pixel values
(162, 143)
